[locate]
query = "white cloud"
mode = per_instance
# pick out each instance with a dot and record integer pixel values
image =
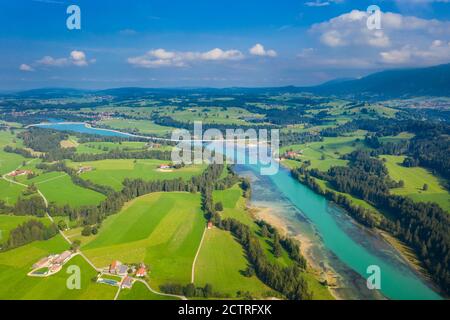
(402, 39)
(259, 50)
(25, 67)
(76, 58)
(163, 58)
(400, 56)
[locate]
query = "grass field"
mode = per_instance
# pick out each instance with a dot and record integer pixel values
(161, 229)
(15, 284)
(140, 292)
(414, 179)
(326, 153)
(210, 115)
(113, 172)
(104, 147)
(9, 161)
(146, 127)
(215, 267)
(58, 187)
(10, 192)
(9, 222)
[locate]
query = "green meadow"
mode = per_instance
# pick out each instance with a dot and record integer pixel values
(215, 267)
(58, 187)
(414, 179)
(9, 161)
(104, 147)
(16, 285)
(146, 127)
(113, 172)
(140, 292)
(10, 192)
(324, 154)
(161, 229)
(211, 115)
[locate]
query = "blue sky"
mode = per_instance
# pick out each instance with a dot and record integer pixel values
(157, 43)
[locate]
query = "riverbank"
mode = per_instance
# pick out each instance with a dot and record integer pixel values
(320, 271)
(405, 253)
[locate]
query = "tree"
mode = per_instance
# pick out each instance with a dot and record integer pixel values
(208, 290)
(75, 245)
(425, 187)
(219, 206)
(87, 231)
(264, 231)
(189, 290)
(62, 225)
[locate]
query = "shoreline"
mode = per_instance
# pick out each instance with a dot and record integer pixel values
(405, 252)
(321, 273)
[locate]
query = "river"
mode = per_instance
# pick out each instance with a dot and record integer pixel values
(339, 244)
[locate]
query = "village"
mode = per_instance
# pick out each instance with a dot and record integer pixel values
(119, 274)
(116, 274)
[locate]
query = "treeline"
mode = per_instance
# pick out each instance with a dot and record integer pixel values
(289, 281)
(190, 290)
(23, 152)
(27, 232)
(423, 226)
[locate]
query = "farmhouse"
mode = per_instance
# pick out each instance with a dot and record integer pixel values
(84, 169)
(17, 173)
(127, 283)
(116, 267)
(142, 272)
(62, 258)
(42, 263)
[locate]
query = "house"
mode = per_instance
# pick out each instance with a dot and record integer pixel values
(122, 270)
(114, 266)
(42, 263)
(142, 272)
(127, 283)
(54, 268)
(17, 173)
(210, 224)
(84, 169)
(62, 258)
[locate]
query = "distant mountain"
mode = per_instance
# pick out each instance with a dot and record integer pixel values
(48, 93)
(431, 81)
(399, 83)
